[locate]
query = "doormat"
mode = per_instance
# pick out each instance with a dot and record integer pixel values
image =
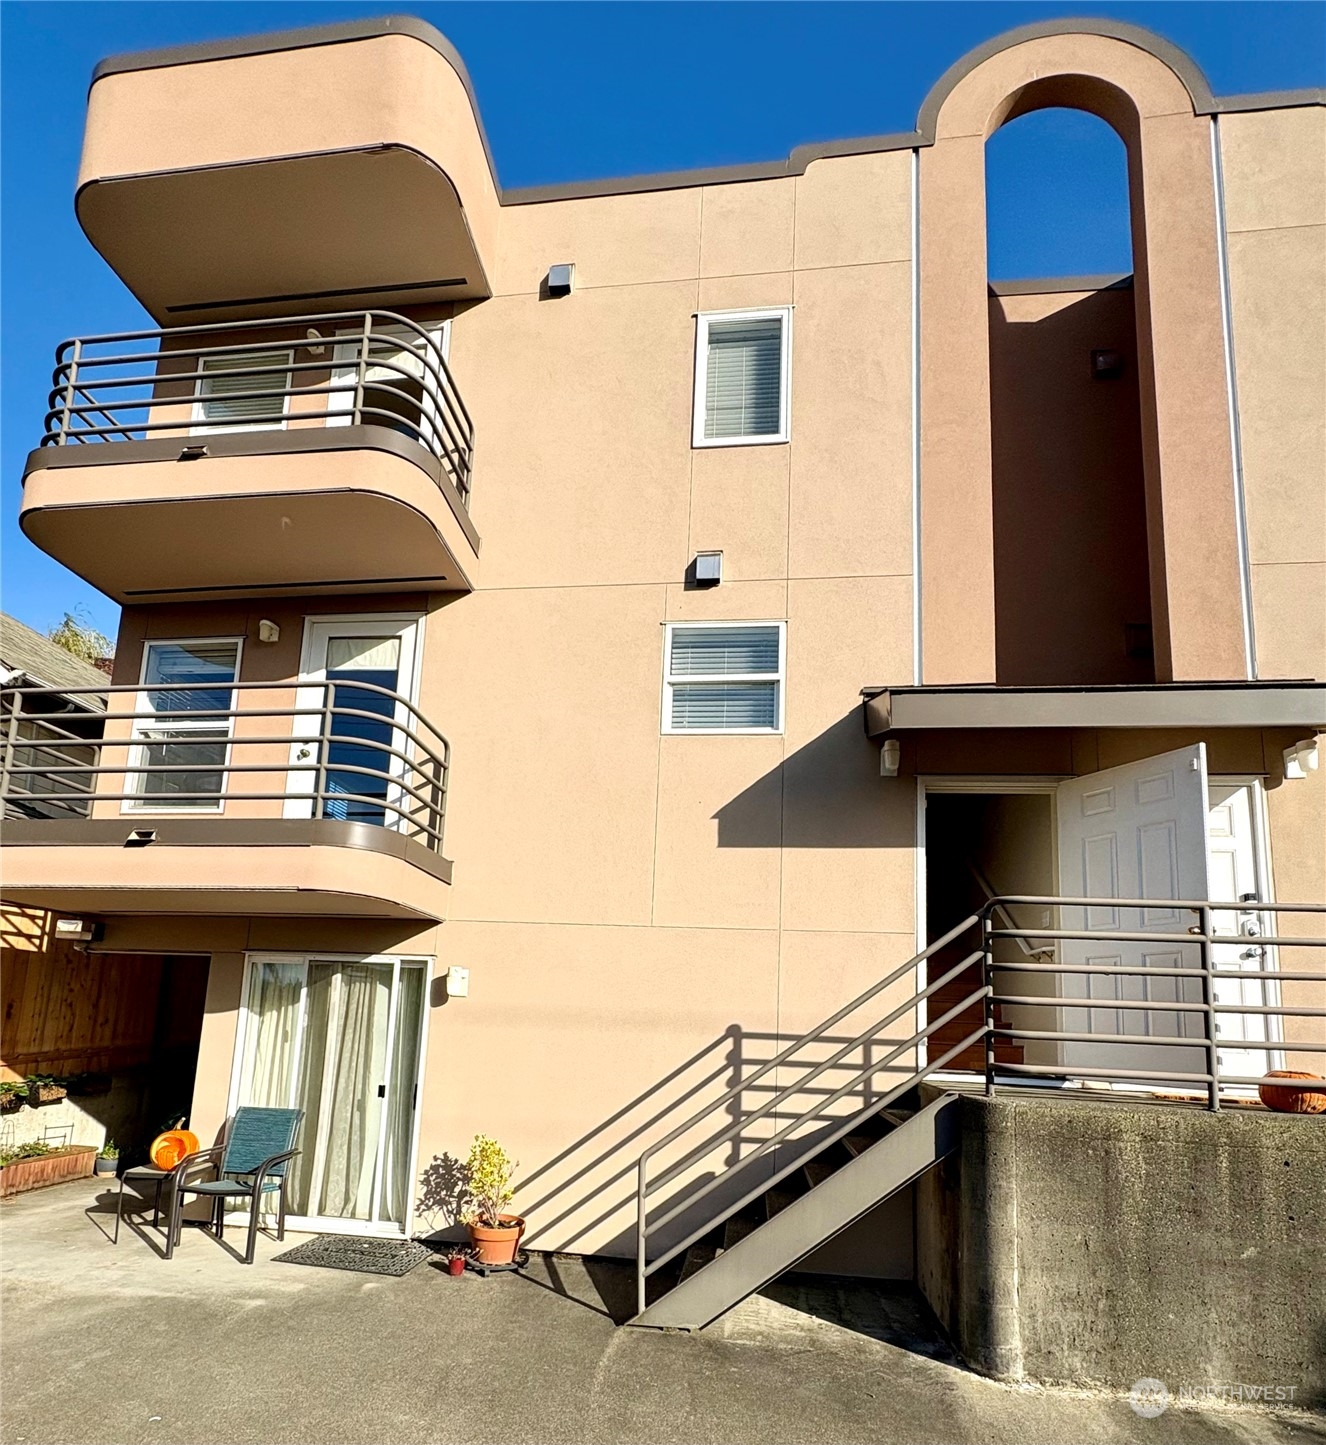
(354, 1252)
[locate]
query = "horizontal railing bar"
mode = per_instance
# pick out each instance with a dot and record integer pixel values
(846, 1128)
(1187, 904)
(798, 1086)
(1163, 1006)
(1145, 970)
(255, 324)
(812, 1035)
(868, 1072)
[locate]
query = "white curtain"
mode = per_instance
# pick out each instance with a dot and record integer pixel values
(347, 1022)
(274, 990)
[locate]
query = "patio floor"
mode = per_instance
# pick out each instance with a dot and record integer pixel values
(113, 1344)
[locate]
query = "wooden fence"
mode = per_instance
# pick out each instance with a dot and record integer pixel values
(66, 1011)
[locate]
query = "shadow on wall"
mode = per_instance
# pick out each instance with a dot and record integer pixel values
(581, 1189)
(826, 794)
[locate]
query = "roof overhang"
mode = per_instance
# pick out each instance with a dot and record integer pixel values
(1164, 705)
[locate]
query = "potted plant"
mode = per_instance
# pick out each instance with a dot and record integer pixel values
(1287, 1099)
(454, 1259)
(108, 1158)
(494, 1234)
(44, 1089)
(13, 1092)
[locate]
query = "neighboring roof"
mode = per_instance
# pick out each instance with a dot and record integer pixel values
(1158, 705)
(43, 663)
(1179, 61)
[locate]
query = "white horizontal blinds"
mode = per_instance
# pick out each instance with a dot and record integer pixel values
(724, 650)
(724, 679)
(744, 378)
(171, 666)
(227, 378)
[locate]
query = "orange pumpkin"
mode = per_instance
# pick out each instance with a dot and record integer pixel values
(169, 1148)
(1289, 1100)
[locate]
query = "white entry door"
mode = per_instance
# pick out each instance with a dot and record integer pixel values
(341, 1039)
(1137, 831)
(359, 755)
(1236, 877)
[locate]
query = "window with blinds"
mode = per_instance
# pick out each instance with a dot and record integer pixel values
(179, 761)
(723, 678)
(741, 377)
(232, 397)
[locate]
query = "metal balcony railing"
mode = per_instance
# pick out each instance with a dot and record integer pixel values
(346, 368)
(344, 750)
(1173, 1025)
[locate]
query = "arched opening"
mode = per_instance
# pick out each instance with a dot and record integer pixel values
(1071, 566)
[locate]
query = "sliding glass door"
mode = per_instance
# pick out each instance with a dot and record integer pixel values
(342, 1040)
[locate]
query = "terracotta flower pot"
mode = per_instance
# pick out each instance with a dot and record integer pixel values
(456, 1266)
(1288, 1100)
(497, 1245)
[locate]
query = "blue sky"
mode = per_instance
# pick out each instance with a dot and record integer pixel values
(584, 90)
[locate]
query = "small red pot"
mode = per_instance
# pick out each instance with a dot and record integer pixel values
(456, 1266)
(499, 1245)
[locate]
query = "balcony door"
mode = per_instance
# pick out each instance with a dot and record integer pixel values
(352, 737)
(401, 385)
(341, 1039)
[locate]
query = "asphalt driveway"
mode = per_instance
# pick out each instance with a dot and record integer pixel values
(103, 1343)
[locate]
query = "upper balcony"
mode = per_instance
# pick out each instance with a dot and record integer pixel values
(323, 452)
(284, 798)
(335, 165)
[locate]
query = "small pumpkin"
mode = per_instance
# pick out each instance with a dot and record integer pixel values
(1287, 1100)
(169, 1148)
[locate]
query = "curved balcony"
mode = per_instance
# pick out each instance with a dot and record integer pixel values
(286, 798)
(330, 451)
(339, 164)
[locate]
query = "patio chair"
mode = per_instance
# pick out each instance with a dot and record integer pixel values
(249, 1163)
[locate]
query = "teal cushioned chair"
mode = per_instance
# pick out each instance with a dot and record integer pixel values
(250, 1162)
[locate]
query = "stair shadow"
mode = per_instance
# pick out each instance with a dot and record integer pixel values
(583, 1187)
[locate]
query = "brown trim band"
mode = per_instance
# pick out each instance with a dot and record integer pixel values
(224, 833)
(1179, 61)
(1168, 705)
(254, 444)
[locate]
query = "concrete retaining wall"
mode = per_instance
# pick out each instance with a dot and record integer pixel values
(1103, 1242)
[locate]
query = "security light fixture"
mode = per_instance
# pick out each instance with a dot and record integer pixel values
(890, 755)
(78, 930)
(458, 981)
(708, 569)
(268, 631)
(1301, 759)
(561, 278)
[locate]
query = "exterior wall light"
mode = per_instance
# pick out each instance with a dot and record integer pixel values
(268, 631)
(890, 755)
(458, 982)
(561, 278)
(1301, 759)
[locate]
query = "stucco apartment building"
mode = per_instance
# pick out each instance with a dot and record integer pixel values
(577, 638)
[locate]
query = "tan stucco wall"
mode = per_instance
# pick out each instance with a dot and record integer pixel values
(633, 907)
(1275, 217)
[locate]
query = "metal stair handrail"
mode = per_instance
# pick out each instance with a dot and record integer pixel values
(1208, 1080)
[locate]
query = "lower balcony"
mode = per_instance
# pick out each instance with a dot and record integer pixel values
(327, 452)
(323, 798)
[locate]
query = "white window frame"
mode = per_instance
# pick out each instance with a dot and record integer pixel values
(670, 682)
(138, 766)
(201, 427)
(698, 411)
